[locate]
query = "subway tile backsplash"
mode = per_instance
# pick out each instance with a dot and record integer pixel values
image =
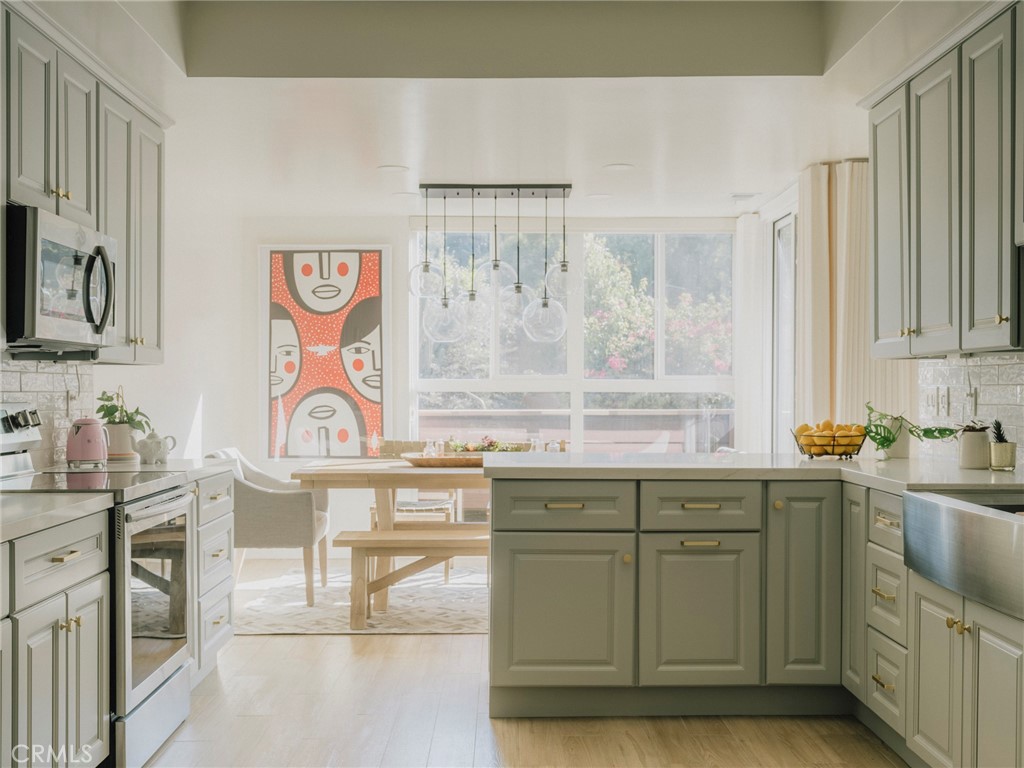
(999, 383)
(61, 392)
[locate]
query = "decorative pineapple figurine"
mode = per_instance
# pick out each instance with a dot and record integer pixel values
(1002, 452)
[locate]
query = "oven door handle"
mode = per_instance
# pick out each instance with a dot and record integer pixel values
(167, 509)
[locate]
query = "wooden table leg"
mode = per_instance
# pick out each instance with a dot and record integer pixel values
(385, 500)
(357, 614)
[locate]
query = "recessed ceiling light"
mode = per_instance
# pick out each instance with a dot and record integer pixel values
(598, 195)
(619, 167)
(741, 197)
(392, 168)
(409, 195)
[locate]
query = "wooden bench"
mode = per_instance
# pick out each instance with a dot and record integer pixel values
(432, 546)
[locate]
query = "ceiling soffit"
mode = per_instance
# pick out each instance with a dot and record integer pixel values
(501, 39)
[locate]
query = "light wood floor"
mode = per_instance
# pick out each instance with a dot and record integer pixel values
(421, 700)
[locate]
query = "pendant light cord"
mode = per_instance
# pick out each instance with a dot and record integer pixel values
(444, 253)
(426, 228)
(545, 246)
(472, 244)
(519, 238)
(496, 262)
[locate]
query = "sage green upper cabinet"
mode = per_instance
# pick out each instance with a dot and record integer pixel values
(934, 320)
(889, 210)
(131, 162)
(854, 618)
(804, 556)
(991, 278)
(52, 123)
(1019, 152)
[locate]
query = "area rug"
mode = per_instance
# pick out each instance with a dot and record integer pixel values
(421, 604)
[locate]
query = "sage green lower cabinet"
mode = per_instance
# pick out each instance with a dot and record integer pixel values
(887, 680)
(886, 593)
(563, 609)
(41, 647)
(700, 609)
(804, 553)
(966, 680)
(854, 620)
(6, 692)
(88, 730)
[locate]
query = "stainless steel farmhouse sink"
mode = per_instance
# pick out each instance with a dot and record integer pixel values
(971, 542)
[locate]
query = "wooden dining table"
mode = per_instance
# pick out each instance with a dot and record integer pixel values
(385, 477)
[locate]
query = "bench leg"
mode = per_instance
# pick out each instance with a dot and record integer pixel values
(323, 561)
(357, 613)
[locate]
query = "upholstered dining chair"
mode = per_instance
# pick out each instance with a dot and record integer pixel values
(272, 513)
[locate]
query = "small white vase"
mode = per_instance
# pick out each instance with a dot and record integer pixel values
(973, 450)
(120, 448)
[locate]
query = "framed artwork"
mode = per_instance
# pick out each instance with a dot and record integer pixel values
(323, 361)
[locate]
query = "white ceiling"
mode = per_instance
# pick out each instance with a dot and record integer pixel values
(314, 146)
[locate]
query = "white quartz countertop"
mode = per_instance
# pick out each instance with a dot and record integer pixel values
(25, 513)
(893, 475)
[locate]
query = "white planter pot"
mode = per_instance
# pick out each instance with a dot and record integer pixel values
(974, 450)
(120, 448)
(901, 448)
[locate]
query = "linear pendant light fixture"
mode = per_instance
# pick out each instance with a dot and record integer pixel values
(543, 319)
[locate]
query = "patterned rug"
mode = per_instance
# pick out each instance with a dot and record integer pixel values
(422, 604)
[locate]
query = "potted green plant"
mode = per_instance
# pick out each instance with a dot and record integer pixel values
(891, 434)
(120, 423)
(973, 445)
(1002, 452)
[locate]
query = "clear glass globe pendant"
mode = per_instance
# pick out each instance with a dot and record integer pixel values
(426, 280)
(444, 320)
(545, 320)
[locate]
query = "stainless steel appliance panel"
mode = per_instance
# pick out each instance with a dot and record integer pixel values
(970, 548)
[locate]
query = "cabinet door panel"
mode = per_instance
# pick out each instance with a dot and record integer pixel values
(149, 225)
(88, 670)
(991, 285)
(6, 687)
(32, 109)
(887, 683)
(934, 678)
(855, 534)
(993, 720)
(700, 609)
(562, 608)
(1019, 75)
(889, 211)
(886, 593)
(804, 583)
(40, 645)
(935, 208)
(76, 141)
(116, 120)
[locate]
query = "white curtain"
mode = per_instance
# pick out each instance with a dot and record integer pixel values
(835, 371)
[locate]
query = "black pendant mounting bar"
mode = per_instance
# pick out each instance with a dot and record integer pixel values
(503, 191)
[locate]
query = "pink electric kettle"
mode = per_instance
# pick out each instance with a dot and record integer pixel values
(87, 443)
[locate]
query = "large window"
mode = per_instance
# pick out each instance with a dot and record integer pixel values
(645, 364)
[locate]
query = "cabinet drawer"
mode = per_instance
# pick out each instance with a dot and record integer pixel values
(50, 561)
(887, 593)
(5, 579)
(885, 520)
(700, 506)
(887, 681)
(564, 505)
(216, 497)
(216, 615)
(216, 554)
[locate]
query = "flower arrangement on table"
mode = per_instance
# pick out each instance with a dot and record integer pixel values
(486, 444)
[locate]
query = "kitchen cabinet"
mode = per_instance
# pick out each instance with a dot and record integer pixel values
(40, 642)
(213, 611)
(1019, 146)
(131, 163)
(88, 690)
(886, 594)
(51, 103)
(990, 308)
(6, 693)
(965, 678)
(934, 285)
(700, 608)
(563, 608)
(804, 572)
(854, 620)
(889, 207)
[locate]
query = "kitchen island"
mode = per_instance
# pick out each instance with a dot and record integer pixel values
(641, 584)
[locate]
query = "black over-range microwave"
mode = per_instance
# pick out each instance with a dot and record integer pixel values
(60, 285)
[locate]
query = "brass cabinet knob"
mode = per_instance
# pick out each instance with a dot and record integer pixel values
(903, 332)
(911, 331)
(57, 191)
(961, 627)
(67, 195)
(778, 504)
(142, 341)
(950, 622)
(1000, 319)
(627, 559)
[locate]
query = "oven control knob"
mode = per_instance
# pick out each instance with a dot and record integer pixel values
(21, 419)
(33, 418)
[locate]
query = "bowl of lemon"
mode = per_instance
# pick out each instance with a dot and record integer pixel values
(838, 441)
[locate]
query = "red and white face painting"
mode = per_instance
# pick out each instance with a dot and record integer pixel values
(325, 423)
(322, 281)
(285, 354)
(361, 361)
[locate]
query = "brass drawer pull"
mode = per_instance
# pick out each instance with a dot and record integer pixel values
(879, 520)
(563, 505)
(701, 543)
(701, 505)
(65, 558)
(885, 596)
(216, 622)
(882, 684)
(218, 553)
(217, 496)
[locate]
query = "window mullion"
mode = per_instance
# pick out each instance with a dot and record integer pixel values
(659, 305)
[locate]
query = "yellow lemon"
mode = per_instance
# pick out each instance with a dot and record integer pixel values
(802, 428)
(843, 436)
(824, 437)
(827, 426)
